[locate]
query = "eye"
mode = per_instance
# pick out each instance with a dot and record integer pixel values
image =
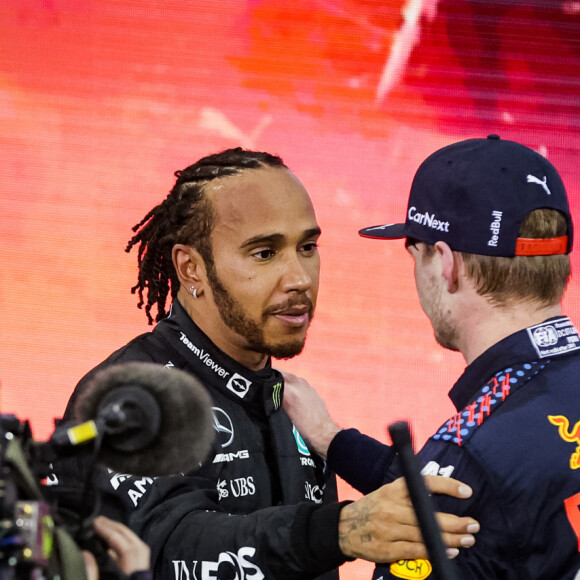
(264, 254)
(309, 248)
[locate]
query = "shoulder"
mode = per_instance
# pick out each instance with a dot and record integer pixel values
(147, 347)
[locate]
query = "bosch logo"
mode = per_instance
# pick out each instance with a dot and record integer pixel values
(224, 426)
(239, 385)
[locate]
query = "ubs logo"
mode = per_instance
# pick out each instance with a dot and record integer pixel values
(239, 385)
(224, 426)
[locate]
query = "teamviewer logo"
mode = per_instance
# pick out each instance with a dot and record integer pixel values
(239, 385)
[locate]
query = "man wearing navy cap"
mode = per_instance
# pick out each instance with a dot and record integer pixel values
(489, 228)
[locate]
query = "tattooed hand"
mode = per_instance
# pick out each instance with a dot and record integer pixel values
(382, 527)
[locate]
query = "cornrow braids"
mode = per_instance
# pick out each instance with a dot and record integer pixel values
(185, 217)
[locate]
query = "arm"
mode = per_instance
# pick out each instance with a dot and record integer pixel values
(286, 542)
(359, 460)
(382, 526)
(307, 410)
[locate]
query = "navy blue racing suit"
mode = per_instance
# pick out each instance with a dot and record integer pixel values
(515, 439)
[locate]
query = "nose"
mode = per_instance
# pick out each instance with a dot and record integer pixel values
(297, 274)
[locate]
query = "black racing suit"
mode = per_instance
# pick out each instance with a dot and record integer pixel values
(260, 506)
(515, 439)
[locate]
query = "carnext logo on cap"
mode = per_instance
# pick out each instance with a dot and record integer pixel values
(427, 219)
(239, 385)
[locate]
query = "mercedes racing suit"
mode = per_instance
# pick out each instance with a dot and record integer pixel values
(260, 506)
(515, 439)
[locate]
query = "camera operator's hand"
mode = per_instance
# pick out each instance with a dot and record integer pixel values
(125, 548)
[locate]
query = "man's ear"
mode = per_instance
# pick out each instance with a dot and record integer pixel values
(450, 265)
(190, 267)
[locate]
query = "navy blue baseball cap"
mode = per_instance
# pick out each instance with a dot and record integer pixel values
(475, 194)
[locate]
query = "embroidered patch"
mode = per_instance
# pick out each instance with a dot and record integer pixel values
(554, 337)
(504, 383)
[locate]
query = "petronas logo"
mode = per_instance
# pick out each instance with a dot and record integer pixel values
(302, 447)
(277, 395)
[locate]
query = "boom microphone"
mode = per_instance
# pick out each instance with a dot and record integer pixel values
(421, 500)
(153, 420)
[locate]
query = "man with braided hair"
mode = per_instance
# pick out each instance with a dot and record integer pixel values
(234, 246)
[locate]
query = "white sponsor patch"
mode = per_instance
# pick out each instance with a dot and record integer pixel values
(554, 337)
(239, 385)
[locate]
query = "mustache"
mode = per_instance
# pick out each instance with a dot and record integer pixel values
(292, 302)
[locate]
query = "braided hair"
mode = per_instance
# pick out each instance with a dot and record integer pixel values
(185, 217)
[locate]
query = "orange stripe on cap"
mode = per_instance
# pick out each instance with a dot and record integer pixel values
(541, 246)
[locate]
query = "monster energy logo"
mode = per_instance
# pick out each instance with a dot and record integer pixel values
(277, 395)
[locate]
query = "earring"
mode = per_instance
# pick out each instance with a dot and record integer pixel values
(193, 290)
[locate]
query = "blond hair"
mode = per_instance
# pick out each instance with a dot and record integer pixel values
(540, 279)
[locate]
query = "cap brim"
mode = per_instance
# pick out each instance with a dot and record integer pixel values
(386, 232)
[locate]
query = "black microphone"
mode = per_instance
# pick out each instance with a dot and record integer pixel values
(403, 445)
(152, 420)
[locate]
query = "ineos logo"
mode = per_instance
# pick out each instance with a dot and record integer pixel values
(224, 426)
(239, 385)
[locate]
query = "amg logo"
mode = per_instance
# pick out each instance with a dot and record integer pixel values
(226, 457)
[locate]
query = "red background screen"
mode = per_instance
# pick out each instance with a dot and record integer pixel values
(101, 101)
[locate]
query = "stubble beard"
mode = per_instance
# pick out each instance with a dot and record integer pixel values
(445, 333)
(235, 318)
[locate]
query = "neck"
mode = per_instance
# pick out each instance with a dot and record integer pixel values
(485, 324)
(207, 318)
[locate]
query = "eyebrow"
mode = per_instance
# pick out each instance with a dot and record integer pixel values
(277, 238)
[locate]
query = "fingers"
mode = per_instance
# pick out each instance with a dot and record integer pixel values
(448, 486)
(457, 531)
(126, 549)
(383, 527)
(91, 566)
(307, 410)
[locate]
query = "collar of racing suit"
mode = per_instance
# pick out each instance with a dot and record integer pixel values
(522, 346)
(213, 366)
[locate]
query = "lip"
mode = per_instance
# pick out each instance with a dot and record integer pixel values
(295, 319)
